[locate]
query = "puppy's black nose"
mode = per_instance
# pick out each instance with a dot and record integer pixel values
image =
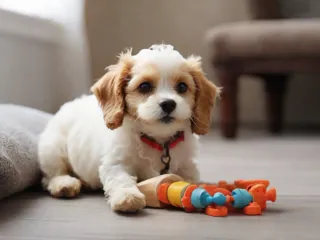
(168, 106)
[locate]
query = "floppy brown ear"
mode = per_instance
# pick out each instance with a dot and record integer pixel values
(109, 91)
(206, 93)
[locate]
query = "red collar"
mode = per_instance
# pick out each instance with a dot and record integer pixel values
(177, 138)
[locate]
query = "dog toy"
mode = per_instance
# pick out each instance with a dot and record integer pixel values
(217, 200)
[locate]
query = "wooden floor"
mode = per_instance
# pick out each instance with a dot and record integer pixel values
(291, 162)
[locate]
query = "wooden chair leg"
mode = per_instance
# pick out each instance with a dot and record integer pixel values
(275, 87)
(229, 105)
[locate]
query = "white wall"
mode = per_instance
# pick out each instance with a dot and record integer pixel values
(24, 68)
(28, 62)
(115, 25)
(44, 59)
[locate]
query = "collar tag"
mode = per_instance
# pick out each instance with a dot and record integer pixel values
(165, 148)
(165, 159)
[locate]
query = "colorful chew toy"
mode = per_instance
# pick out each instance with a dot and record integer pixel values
(217, 200)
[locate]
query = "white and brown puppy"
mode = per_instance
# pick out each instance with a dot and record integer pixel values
(154, 105)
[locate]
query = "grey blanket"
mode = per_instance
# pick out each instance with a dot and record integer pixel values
(19, 130)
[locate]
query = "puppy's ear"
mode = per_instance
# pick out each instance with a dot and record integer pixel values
(206, 93)
(109, 90)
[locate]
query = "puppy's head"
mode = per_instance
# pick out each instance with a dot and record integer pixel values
(158, 88)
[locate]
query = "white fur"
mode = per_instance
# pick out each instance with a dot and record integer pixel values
(78, 139)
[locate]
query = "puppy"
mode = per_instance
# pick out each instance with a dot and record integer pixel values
(142, 120)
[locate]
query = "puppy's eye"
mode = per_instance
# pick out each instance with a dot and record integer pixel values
(145, 87)
(181, 87)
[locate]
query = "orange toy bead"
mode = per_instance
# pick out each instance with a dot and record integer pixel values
(186, 199)
(226, 185)
(163, 193)
(272, 194)
(247, 183)
(252, 209)
(261, 196)
(216, 211)
(208, 186)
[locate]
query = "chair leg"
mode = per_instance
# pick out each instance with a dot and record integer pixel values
(275, 87)
(229, 107)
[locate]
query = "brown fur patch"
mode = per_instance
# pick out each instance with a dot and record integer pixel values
(185, 77)
(149, 74)
(109, 90)
(206, 93)
(133, 98)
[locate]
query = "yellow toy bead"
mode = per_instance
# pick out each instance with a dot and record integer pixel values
(175, 191)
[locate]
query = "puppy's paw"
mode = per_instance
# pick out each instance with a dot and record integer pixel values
(64, 186)
(127, 200)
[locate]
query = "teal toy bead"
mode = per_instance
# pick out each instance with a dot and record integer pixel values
(241, 197)
(219, 199)
(200, 198)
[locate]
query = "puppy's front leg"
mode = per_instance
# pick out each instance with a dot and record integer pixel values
(121, 188)
(189, 172)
